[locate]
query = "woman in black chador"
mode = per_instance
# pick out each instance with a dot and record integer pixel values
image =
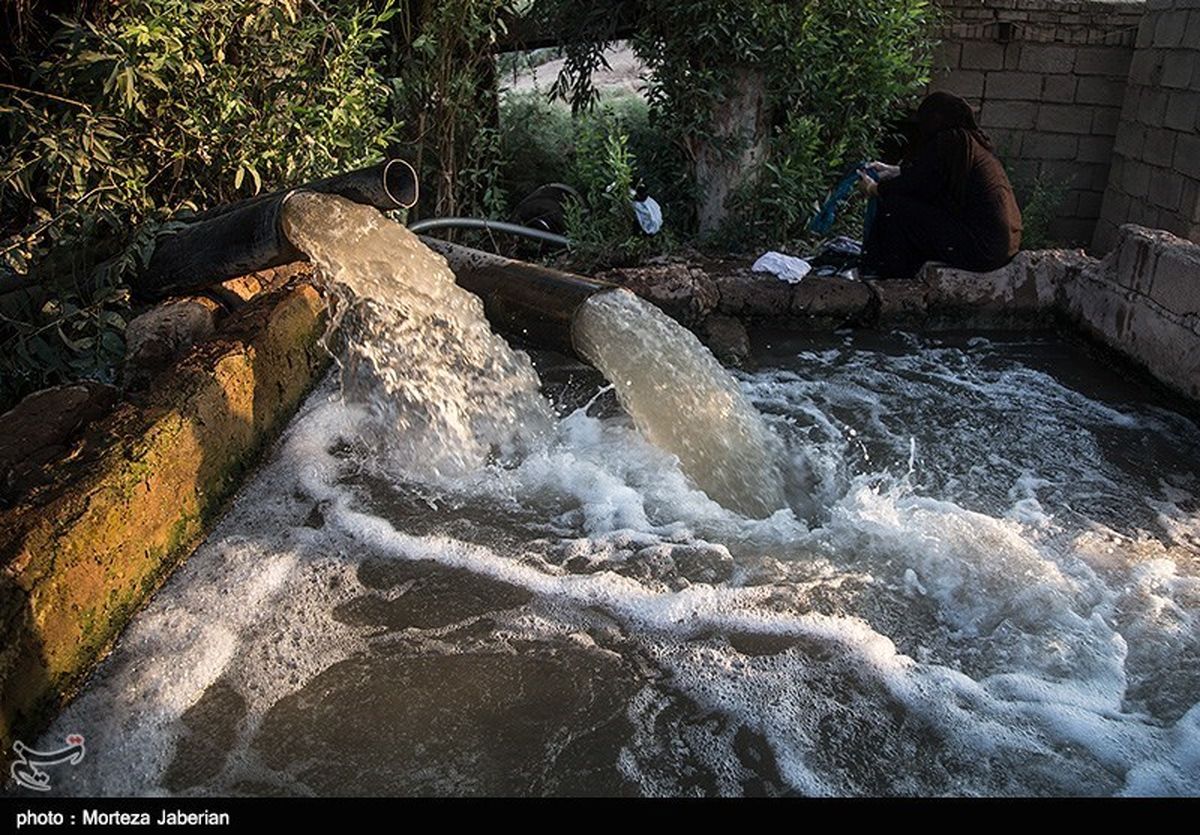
(951, 203)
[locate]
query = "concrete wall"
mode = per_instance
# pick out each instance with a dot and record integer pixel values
(122, 506)
(1049, 79)
(1143, 300)
(1155, 179)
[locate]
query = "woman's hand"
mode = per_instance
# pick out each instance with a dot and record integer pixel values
(884, 171)
(867, 184)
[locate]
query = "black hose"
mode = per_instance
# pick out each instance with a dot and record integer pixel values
(387, 185)
(488, 226)
(236, 242)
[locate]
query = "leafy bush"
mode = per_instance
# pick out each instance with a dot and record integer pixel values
(443, 74)
(849, 67)
(541, 142)
(51, 339)
(777, 204)
(537, 143)
(602, 227)
(538, 140)
(157, 106)
(1040, 197)
(1041, 200)
(834, 72)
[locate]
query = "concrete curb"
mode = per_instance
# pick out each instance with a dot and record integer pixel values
(1023, 294)
(83, 552)
(1142, 301)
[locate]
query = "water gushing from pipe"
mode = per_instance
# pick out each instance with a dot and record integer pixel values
(453, 395)
(683, 400)
(450, 395)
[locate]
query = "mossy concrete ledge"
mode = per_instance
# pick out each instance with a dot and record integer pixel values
(84, 550)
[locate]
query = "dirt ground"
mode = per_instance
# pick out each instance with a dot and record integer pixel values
(622, 76)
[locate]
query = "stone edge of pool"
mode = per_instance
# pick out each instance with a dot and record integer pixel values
(1142, 300)
(132, 499)
(134, 496)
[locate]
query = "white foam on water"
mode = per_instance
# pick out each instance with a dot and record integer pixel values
(1175, 771)
(1056, 681)
(618, 480)
(1051, 669)
(962, 615)
(252, 606)
(1045, 665)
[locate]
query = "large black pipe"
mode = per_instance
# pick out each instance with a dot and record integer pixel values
(248, 236)
(388, 185)
(535, 303)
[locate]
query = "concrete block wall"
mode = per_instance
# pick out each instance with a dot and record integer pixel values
(1155, 179)
(1048, 78)
(1143, 300)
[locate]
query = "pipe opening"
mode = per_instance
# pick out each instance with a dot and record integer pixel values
(400, 183)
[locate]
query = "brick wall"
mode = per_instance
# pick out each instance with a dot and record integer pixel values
(1048, 77)
(1155, 179)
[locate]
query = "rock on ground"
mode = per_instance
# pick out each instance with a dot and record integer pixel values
(685, 293)
(727, 338)
(42, 428)
(155, 338)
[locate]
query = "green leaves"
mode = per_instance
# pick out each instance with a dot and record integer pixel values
(160, 106)
(837, 72)
(442, 71)
(1041, 201)
(247, 168)
(77, 333)
(601, 226)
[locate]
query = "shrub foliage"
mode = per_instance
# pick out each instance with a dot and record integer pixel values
(153, 107)
(835, 73)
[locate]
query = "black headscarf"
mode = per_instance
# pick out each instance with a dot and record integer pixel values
(949, 122)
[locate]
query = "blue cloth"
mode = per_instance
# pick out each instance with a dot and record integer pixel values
(822, 221)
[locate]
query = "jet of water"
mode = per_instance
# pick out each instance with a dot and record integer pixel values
(449, 393)
(683, 400)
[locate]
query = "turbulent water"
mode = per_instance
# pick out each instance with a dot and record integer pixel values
(459, 587)
(448, 395)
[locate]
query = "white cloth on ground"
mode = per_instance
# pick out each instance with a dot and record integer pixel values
(787, 268)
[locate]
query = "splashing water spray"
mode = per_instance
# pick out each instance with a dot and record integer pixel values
(452, 395)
